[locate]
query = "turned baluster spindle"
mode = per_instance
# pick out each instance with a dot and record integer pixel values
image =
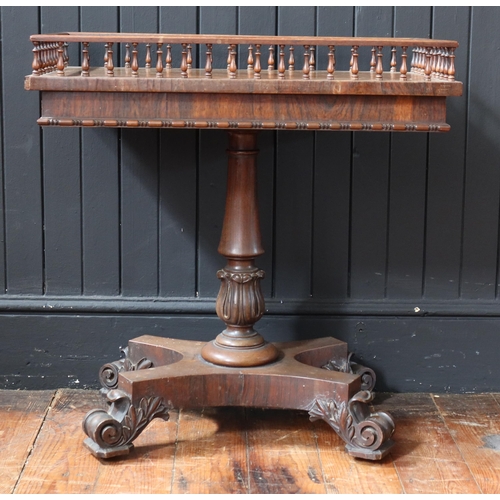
(428, 68)
(42, 58)
(228, 56)
(250, 58)
(439, 62)
(105, 55)
(379, 69)
(53, 56)
(373, 60)
(291, 60)
(312, 59)
(451, 64)
(404, 68)
(127, 55)
(60, 59)
(184, 64)
(257, 68)
(46, 58)
(422, 60)
(36, 64)
(208, 61)
(270, 60)
(41, 69)
(232, 64)
(331, 62)
(352, 60)
(189, 57)
(85, 59)
(393, 60)
(159, 60)
(434, 61)
(445, 58)
(49, 58)
(307, 68)
(135, 60)
(355, 67)
(147, 63)
(281, 64)
(168, 57)
(66, 55)
(110, 68)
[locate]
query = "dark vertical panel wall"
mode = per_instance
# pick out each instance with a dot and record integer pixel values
(61, 184)
(332, 182)
(294, 181)
(445, 192)
(481, 199)
(178, 190)
(389, 241)
(22, 159)
(370, 177)
(100, 184)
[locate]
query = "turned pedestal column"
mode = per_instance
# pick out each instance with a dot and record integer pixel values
(240, 303)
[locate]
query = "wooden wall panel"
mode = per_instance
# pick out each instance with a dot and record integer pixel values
(482, 177)
(3, 285)
(21, 155)
(100, 184)
(178, 233)
(332, 182)
(407, 187)
(370, 178)
(294, 180)
(446, 166)
(61, 184)
(139, 185)
(124, 224)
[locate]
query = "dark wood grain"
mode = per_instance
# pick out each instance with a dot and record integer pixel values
(225, 38)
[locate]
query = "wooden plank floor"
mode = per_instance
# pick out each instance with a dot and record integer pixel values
(445, 444)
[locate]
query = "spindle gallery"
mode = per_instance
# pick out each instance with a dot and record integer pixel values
(303, 88)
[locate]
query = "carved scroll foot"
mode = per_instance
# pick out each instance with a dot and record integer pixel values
(367, 435)
(368, 377)
(111, 432)
(108, 374)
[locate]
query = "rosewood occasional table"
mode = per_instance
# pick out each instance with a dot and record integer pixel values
(239, 368)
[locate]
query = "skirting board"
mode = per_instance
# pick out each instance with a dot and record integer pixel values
(409, 354)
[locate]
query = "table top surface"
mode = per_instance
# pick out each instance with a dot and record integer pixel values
(397, 84)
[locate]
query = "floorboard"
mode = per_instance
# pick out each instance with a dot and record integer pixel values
(474, 423)
(425, 455)
(21, 416)
(282, 453)
(444, 444)
(211, 452)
